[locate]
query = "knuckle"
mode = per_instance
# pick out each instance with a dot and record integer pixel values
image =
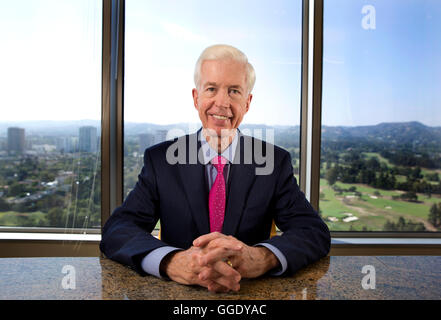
(215, 242)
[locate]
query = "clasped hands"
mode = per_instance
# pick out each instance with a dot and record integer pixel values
(218, 262)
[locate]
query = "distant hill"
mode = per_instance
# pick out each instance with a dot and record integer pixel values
(391, 133)
(287, 136)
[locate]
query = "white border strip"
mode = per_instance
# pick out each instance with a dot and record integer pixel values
(49, 236)
(386, 241)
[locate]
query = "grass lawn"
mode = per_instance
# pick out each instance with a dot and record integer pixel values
(375, 206)
(19, 219)
(372, 211)
(425, 171)
(379, 157)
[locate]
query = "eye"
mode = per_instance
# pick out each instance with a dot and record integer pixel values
(211, 89)
(234, 91)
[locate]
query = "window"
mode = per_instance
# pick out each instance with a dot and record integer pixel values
(51, 110)
(381, 136)
(164, 40)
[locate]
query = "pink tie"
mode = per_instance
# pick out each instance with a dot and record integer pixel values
(216, 198)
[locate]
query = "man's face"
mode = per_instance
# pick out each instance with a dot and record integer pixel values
(222, 98)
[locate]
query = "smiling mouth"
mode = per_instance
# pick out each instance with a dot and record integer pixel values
(220, 117)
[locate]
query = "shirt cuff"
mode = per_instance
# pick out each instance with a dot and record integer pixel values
(151, 261)
(279, 255)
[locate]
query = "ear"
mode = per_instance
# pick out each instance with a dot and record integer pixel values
(195, 94)
(250, 97)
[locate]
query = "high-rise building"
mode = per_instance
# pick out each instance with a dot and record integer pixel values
(67, 144)
(160, 136)
(16, 140)
(88, 139)
(145, 140)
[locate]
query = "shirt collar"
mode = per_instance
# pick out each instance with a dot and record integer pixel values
(208, 152)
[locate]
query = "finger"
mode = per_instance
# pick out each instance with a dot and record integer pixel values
(216, 288)
(209, 281)
(223, 284)
(224, 270)
(206, 238)
(222, 274)
(208, 273)
(220, 249)
(194, 262)
(212, 286)
(217, 254)
(226, 241)
(225, 277)
(229, 283)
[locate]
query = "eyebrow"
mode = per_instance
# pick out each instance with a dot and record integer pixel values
(208, 84)
(214, 84)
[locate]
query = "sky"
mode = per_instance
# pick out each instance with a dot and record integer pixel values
(391, 73)
(50, 59)
(165, 38)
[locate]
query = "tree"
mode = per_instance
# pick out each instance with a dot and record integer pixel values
(416, 173)
(432, 177)
(332, 175)
(435, 215)
(4, 206)
(56, 217)
(373, 163)
(16, 190)
(403, 225)
(409, 196)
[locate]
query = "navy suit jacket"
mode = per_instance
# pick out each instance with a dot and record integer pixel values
(177, 195)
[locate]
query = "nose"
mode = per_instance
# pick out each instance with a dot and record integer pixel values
(222, 99)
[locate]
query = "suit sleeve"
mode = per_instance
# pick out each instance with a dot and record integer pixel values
(305, 238)
(126, 236)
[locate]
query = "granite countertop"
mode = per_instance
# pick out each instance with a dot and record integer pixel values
(335, 277)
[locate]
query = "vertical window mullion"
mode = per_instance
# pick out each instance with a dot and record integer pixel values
(105, 113)
(304, 180)
(112, 93)
(317, 68)
(311, 99)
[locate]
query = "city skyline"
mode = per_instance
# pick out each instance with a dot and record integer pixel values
(18, 142)
(37, 125)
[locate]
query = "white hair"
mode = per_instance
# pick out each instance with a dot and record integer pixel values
(225, 52)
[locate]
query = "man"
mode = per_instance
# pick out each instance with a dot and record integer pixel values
(216, 213)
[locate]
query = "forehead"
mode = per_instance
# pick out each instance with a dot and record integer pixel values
(225, 72)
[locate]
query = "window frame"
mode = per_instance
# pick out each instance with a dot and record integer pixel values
(316, 140)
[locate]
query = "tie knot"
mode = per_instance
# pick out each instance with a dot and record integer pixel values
(219, 163)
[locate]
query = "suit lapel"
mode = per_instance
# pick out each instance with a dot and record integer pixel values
(241, 178)
(193, 179)
(194, 183)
